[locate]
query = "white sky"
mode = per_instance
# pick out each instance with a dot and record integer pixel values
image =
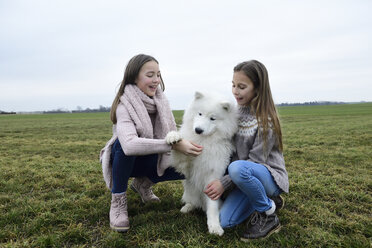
(64, 53)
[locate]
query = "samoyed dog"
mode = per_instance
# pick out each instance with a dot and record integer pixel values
(211, 122)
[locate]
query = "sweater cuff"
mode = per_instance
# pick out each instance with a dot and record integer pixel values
(226, 181)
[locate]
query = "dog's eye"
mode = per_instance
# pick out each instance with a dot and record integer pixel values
(200, 114)
(212, 119)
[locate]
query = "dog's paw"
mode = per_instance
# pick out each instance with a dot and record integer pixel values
(187, 208)
(216, 230)
(173, 137)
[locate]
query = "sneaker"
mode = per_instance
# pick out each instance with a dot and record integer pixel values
(142, 185)
(261, 225)
(279, 202)
(119, 220)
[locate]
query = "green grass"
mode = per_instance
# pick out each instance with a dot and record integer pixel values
(52, 192)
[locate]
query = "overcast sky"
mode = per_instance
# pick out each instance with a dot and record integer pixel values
(64, 54)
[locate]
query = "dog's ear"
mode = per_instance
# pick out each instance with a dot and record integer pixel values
(198, 95)
(226, 106)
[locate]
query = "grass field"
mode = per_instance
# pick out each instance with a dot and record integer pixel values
(52, 192)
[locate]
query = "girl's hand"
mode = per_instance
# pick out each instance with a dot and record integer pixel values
(214, 189)
(188, 148)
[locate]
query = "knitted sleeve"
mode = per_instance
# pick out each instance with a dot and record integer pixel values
(227, 183)
(272, 158)
(131, 144)
(260, 152)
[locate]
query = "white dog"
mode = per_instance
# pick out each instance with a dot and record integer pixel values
(211, 122)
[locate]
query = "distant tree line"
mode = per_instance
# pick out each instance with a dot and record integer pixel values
(310, 103)
(78, 110)
(107, 109)
(7, 113)
(88, 110)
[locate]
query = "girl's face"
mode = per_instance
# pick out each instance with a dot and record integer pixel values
(148, 78)
(243, 88)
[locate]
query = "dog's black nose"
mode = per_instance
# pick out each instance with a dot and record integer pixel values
(198, 130)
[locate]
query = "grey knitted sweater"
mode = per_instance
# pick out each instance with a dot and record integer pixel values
(250, 146)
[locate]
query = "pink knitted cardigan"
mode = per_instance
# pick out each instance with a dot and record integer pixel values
(135, 130)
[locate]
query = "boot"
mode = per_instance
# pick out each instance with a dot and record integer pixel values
(142, 185)
(261, 225)
(119, 220)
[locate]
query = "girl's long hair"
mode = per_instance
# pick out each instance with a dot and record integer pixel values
(130, 75)
(262, 104)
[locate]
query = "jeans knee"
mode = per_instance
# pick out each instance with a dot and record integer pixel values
(234, 170)
(239, 172)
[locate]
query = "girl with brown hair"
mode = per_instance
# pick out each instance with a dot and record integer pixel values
(258, 169)
(141, 118)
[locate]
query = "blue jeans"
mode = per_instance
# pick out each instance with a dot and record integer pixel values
(124, 167)
(254, 187)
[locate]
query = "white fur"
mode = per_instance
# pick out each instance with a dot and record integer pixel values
(216, 119)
